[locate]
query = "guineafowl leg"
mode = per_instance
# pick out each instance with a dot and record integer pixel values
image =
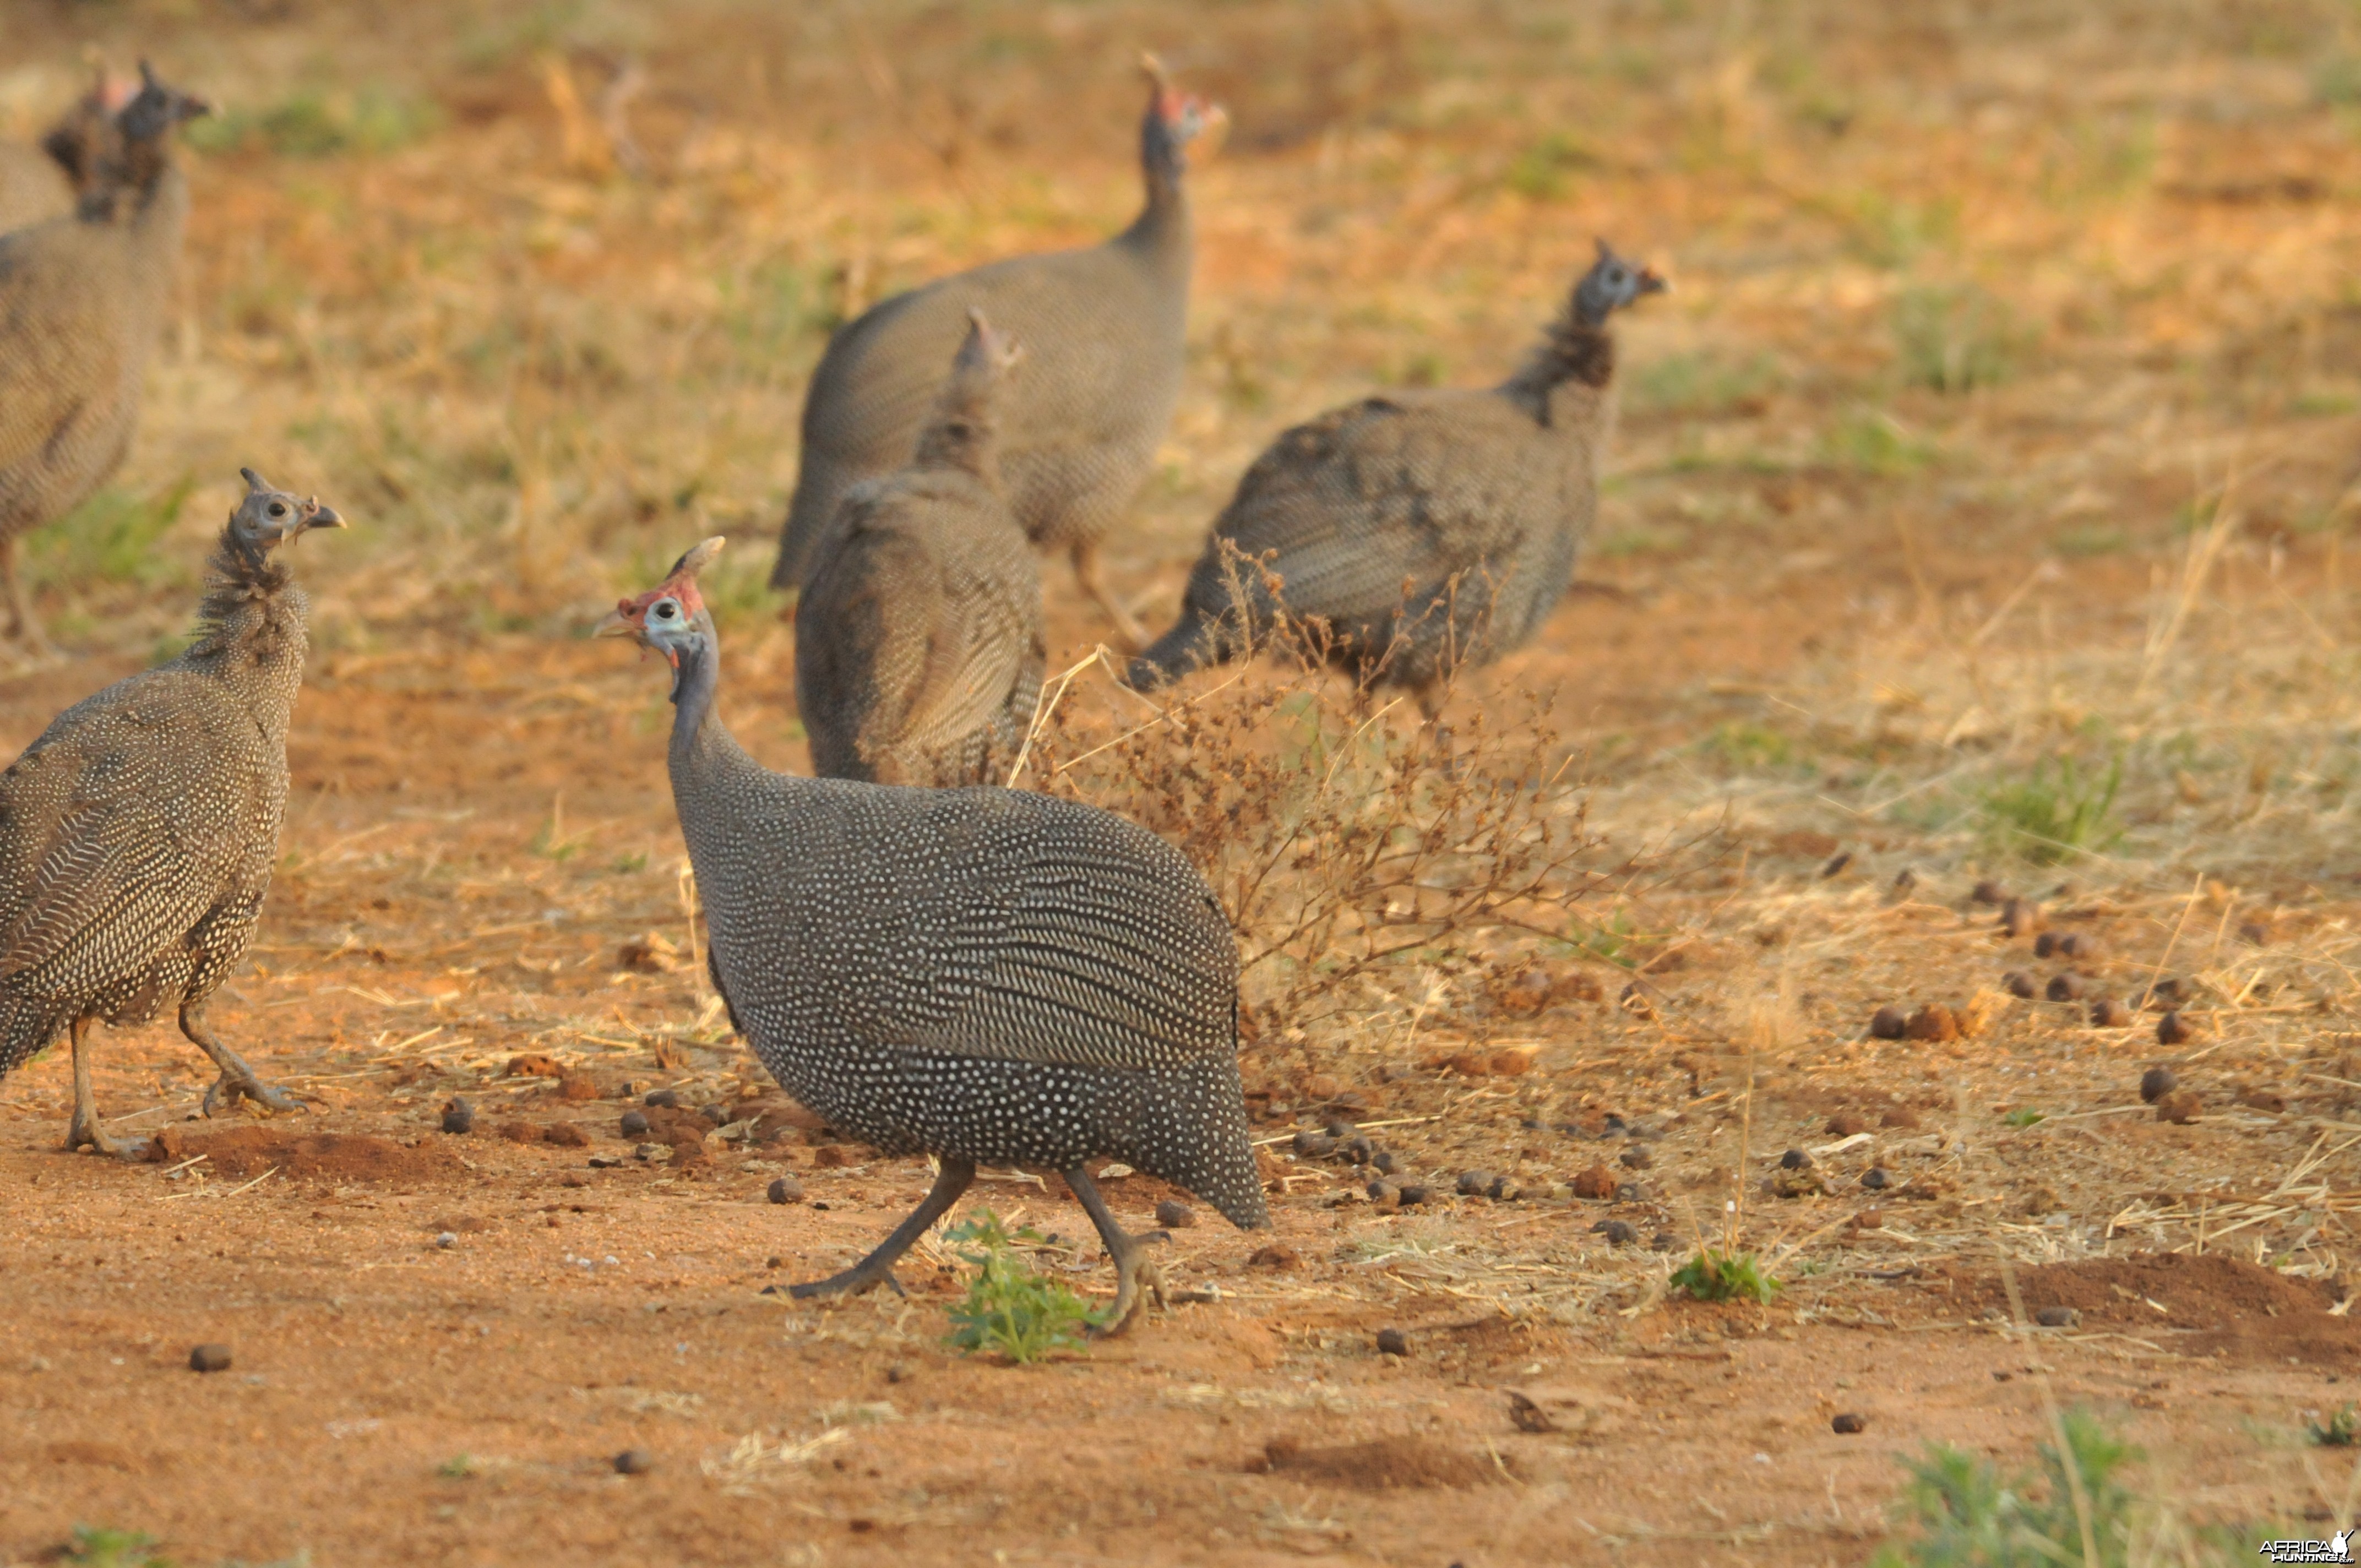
(236, 1080)
(877, 1268)
(1134, 1269)
(22, 627)
(1086, 572)
(86, 1128)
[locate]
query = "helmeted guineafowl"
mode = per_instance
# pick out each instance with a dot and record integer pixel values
(41, 182)
(985, 975)
(1425, 529)
(918, 647)
(1104, 329)
(81, 301)
(139, 833)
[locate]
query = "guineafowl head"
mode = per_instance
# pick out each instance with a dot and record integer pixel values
(671, 618)
(1610, 284)
(78, 141)
(1174, 118)
(157, 108)
(269, 517)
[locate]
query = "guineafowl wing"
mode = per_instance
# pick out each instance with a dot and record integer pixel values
(123, 856)
(986, 642)
(66, 356)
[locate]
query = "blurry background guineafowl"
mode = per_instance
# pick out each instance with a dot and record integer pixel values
(44, 182)
(81, 301)
(1424, 528)
(986, 975)
(918, 648)
(137, 834)
(1104, 329)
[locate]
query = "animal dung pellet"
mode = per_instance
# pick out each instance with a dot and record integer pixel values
(1932, 1021)
(1340, 1129)
(1473, 1183)
(1505, 1190)
(1384, 1162)
(634, 1124)
(2181, 1107)
(2107, 1013)
(1595, 1183)
(1392, 1342)
(209, 1358)
(1887, 1024)
(2020, 984)
(1849, 1422)
(715, 1114)
(1313, 1145)
(786, 1189)
(2079, 946)
(1382, 1191)
(1845, 1123)
(634, 1461)
(1663, 1241)
(1875, 1179)
(668, 1099)
(1989, 892)
(1277, 1255)
(533, 1065)
(2058, 1317)
(1618, 1233)
(1360, 1150)
(1837, 864)
(2167, 993)
(1634, 1159)
(2066, 987)
(458, 1116)
(1795, 1159)
(1175, 1215)
(2046, 944)
(2254, 932)
(2172, 1029)
(2019, 916)
(1414, 1192)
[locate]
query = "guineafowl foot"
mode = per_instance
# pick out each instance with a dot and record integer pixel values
(877, 1268)
(238, 1080)
(83, 1130)
(1135, 1273)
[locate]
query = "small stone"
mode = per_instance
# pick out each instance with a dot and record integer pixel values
(519, 1132)
(1869, 1220)
(604, 1162)
(897, 1373)
(1392, 1342)
(1933, 1021)
(1629, 1192)
(1414, 1192)
(634, 1124)
(1989, 892)
(1876, 1179)
(1795, 1159)
(1634, 1159)
(1905, 880)
(2019, 916)
(1313, 1145)
(1278, 1254)
(2066, 987)
(1845, 1123)
(1174, 1215)
(1384, 1163)
(786, 1189)
(1901, 1118)
(2172, 1029)
(447, 1240)
(1618, 1233)
(634, 1461)
(209, 1358)
(1837, 864)
(1595, 1183)
(2181, 1107)
(1473, 1183)
(458, 1116)
(2255, 932)
(565, 1134)
(2058, 1317)
(2109, 1014)
(1887, 1024)
(668, 1099)
(1849, 1422)
(2020, 984)
(2046, 944)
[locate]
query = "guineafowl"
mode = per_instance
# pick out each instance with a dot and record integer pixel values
(81, 301)
(918, 648)
(985, 975)
(137, 834)
(1103, 328)
(1424, 529)
(38, 184)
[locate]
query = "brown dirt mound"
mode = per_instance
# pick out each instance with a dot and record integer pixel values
(2241, 1308)
(329, 1156)
(1382, 1464)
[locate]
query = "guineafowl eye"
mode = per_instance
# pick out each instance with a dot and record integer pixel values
(664, 610)
(279, 508)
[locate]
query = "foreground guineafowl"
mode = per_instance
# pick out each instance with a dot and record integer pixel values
(985, 975)
(1424, 529)
(1104, 331)
(137, 834)
(82, 302)
(918, 648)
(38, 184)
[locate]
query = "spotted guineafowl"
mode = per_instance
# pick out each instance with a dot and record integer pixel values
(1424, 529)
(137, 834)
(38, 184)
(81, 301)
(918, 647)
(985, 975)
(1104, 329)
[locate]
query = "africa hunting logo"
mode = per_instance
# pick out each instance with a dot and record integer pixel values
(2337, 1548)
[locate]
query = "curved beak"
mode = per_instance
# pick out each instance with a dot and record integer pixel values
(325, 516)
(1655, 282)
(616, 625)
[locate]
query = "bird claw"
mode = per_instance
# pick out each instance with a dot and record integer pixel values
(227, 1089)
(853, 1281)
(86, 1135)
(1138, 1275)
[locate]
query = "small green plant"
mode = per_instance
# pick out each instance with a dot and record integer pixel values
(112, 537)
(459, 1467)
(1714, 1275)
(2057, 813)
(2341, 1430)
(98, 1547)
(2024, 1116)
(1708, 386)
(312, 124)
(1748, 748)
(1011, 1309)
(1870, 441)
(1542, 172)
(1607, 940)
(1954, 337)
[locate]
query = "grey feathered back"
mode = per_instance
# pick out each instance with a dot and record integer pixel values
(82, 302)
(1424, 529)
(980, 974)
(918, 641)
(137, 834)
(1104, 330)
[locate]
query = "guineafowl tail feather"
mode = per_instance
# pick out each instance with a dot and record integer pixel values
(1190, 645)
(1192, 1133)
(26, 1026)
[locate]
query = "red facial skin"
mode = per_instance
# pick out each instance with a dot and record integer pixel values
(633, 612)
